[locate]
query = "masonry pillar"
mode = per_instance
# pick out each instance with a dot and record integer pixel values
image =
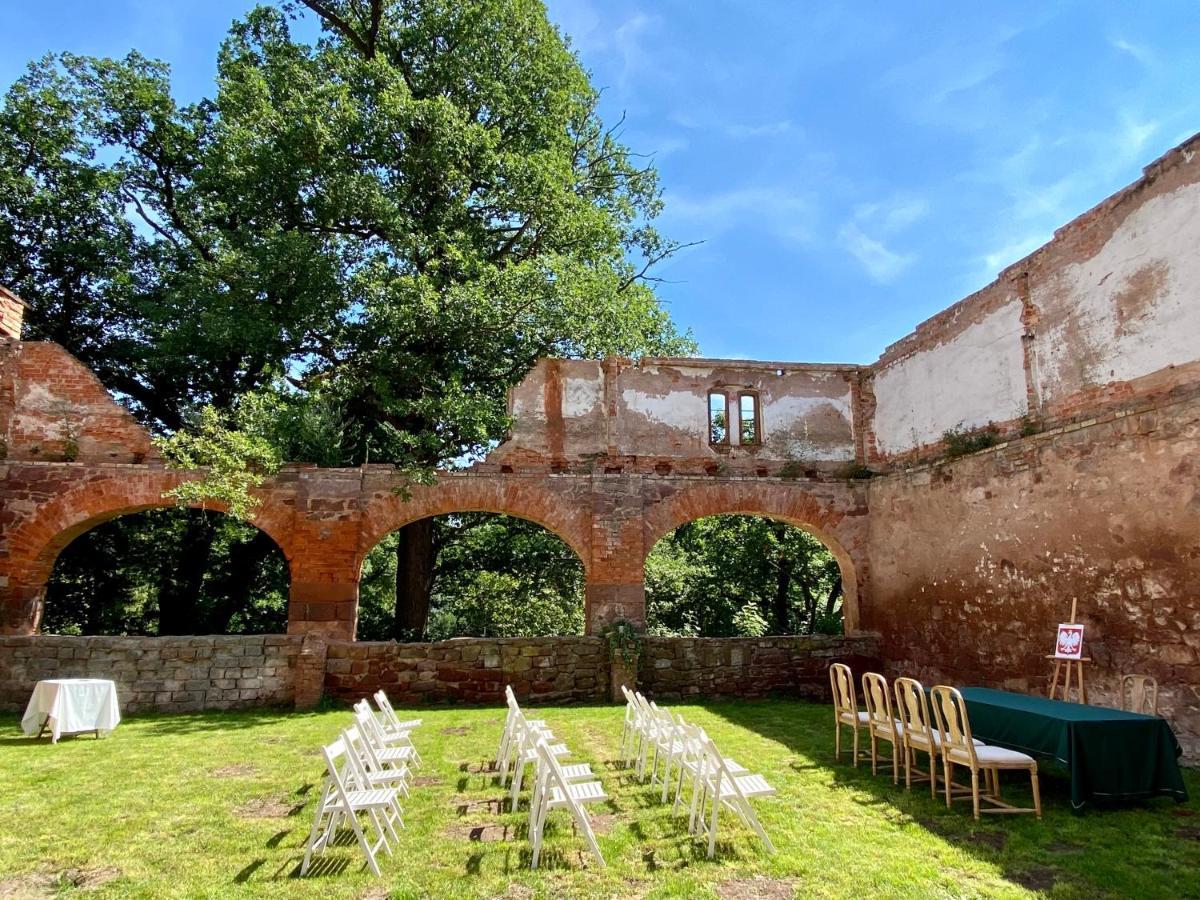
(323, 601)
(615, 587)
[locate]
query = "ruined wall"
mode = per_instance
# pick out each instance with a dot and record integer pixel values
(975, 561)
(688, 668)
(542, 670)
(167, 674)
(652, 415)
(52, 407)
(1104, 315)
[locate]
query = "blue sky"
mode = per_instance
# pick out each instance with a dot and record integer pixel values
(850, 168)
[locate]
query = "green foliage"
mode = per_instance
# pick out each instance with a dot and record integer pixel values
(1030, 425)
(112, 579)
(733, 575)
(749, 622)
(856, 471)
(624, 640)
(960, 441)
(234, 462)
(495, 576)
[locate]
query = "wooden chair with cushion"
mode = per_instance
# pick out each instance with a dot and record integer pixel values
(1139, 694)
(920, 735)
(845, 708)
(959, 749)
(881, 722)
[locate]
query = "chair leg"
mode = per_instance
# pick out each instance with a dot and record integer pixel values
(933, 778)
(908, 764)
(855, 760)
(996, 783)
(895, 764)
(874, 755)
(948, 777)
(837, 738)
(1037, 794)
(975, 792)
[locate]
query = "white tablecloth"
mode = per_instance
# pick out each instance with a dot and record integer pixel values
(73, 704)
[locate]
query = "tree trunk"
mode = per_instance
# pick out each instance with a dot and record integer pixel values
(415, 558)
(783, 589)
(183, 576)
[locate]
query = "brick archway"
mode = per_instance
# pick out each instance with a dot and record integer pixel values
(34, 545)
(820, 517)
(547, 502)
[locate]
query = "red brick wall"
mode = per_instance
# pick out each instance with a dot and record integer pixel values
(975, 561)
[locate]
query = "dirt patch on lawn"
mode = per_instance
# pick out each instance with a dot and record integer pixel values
(264, 808)
(240, 770)
(756, 888)
(457, 729)
(478, 768)
(1039, 878)
(602, 823)
(36, 885)
(426, 781)
(481, 833)
(464, 806)
(994, 839)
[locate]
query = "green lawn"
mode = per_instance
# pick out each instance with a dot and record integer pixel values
(220, 805)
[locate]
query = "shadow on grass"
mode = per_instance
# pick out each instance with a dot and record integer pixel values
(1090, 855)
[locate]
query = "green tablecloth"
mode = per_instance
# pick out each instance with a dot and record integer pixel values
(1112, 754)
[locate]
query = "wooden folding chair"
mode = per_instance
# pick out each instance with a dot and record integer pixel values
(1139, 694)
(720, 787)
(555, 791)
(845, 709)
(342, 799)
(881, 723)
(960, 749)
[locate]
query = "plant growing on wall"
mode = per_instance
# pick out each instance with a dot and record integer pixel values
(961, 441)
(624, 640)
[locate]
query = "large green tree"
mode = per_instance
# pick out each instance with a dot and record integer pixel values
(384, 228)
(742, 575)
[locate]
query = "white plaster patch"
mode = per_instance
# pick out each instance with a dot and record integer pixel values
(683, 411)
(581, 396)
(784, 426)
(975, 378)
(1089, 343)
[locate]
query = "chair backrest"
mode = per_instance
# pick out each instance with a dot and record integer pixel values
(385, 707)
(335, 763)
(369, 726)
(954, 728)
(841, 680)
(878, 696)
(1139, 694)
(912, 708)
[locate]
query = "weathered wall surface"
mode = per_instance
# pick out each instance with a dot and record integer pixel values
(652, 415)
(960, 370)
(53, 407)
(975, 562)
(685, 668)
(176, 674)
(542, 670)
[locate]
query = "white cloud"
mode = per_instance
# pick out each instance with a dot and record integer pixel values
(1012, 251)
(881, 263)
(766, 129)
(783, 211)
(894, 214)
(1139, 52)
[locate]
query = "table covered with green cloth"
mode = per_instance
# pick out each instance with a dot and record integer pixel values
(1112, 755)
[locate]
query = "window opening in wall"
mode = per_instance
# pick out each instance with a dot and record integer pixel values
(718, 419)
(748, 418)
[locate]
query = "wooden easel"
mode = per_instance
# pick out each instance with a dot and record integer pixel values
(1068, 665)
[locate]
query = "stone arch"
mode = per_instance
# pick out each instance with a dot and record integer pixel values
(536, 500)
(795, 505)
(33, 545)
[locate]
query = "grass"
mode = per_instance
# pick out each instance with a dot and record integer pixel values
(219, 805)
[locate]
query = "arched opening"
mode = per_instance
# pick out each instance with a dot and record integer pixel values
(168, 571)
(491, 575)
(743, 576)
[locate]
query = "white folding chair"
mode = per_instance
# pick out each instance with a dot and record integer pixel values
(720, 787)
(373, 734)
(555, 791)
(391, 725)
(343, 798)
(652, 722)
(690, 764)
(523, 752)
(383, 737)
(506, 736)
(374, 771)
(629, 726)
